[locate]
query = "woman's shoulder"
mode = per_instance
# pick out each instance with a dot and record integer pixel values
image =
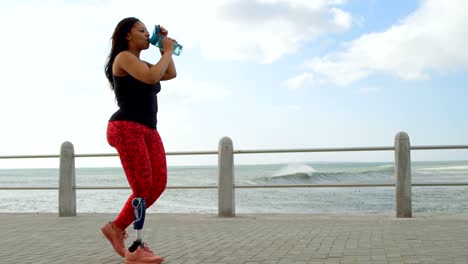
(125, 55)
(122, 61)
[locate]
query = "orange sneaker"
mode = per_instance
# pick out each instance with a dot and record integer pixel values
(142, 255)
(116, 238)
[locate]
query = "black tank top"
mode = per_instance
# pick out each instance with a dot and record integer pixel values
(137, 101)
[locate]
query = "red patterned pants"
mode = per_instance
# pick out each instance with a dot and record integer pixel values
(143, 158)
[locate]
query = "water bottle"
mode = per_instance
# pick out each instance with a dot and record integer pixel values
(156, 40)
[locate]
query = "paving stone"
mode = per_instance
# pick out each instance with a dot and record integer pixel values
(245, 239)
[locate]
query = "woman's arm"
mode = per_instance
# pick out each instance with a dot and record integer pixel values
(127, 62)
(171, 72)
(147, 73)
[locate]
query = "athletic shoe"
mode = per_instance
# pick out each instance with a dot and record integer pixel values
(142, 255)
(116, 238)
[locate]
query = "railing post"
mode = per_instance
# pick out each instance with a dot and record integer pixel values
(226, 197)
(403, 175)
(67, 192)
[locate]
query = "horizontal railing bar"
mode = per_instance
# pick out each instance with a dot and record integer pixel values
(103, 188)
(441, 184)
(251, 151)
(174, 153)
(246, 186)
(95, 155)
(29, 188)
(30, 156)
(313, 185)
(259, 151)
(347, 185)
(440, 147)
(125, 188)
(178, 153)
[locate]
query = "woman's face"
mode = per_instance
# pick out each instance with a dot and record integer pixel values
(139, 36)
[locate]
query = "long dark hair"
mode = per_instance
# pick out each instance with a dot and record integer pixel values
(119, 44)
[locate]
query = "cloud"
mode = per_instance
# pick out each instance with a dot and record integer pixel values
(431, 40)
(264, 31)
(240, 30)
(299, 81)
(341, 19)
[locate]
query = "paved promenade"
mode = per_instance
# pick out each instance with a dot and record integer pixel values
(248, 239)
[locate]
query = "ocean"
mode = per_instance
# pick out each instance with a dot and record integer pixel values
(334, 200)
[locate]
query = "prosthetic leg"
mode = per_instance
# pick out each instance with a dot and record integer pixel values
(140, 211)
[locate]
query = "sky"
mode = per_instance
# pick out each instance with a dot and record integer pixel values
(269, 74)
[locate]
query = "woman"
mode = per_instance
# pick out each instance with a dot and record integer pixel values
(132, 131)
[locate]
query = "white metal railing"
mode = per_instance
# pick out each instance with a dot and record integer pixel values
(226, 194)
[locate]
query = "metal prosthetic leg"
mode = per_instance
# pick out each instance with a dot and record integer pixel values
(140, 210)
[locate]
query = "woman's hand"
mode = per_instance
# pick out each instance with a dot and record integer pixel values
(168, 44)
(162, 31)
